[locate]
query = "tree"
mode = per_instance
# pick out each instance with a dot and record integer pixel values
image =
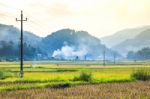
(142, 54)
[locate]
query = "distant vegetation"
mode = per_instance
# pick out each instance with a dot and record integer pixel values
(143, 54)
(10, 52)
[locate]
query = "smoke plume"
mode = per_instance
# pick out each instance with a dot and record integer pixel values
(70, 52)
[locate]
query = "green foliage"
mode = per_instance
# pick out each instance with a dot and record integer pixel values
(84, 77)
(24, 86)
(142, 74)
(143, 54)
(4, 74)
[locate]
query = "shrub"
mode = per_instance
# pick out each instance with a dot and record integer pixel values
(84, 77)
(4, 74)
(142, 74)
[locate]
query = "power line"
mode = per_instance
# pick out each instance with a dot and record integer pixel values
(34, 22)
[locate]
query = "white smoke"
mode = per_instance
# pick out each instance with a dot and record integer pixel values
(70, 52)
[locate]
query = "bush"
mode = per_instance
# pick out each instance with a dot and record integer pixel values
(4, 74)
(84, 77)
(141, 75)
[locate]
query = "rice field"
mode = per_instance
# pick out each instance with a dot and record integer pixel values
(42, 77)
(129, 90)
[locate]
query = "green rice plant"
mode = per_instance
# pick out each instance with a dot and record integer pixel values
(84, 76)
(22, 86)
(4, 74)
(142, 74)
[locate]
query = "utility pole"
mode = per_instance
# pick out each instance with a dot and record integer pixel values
(21, 44)
(104, 57)
(114, 58)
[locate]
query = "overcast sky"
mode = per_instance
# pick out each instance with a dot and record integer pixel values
(98, 17)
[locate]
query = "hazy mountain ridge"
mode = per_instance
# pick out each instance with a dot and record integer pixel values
(122, 36)
(68, 43)
(138, 42)
(62, 44)
(11, 33)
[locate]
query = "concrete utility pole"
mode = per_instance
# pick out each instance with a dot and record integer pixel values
(21, 44)
(104, 57)
(114, 58)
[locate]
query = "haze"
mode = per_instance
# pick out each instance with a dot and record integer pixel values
(98, 17)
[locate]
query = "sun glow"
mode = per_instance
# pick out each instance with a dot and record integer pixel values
(99, 17)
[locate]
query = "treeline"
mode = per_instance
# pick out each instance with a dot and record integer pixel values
(10, 51)
(143, 54)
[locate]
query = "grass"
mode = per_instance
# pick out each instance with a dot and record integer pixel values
(84, 76)
(46, 74)
(5, 74)
(98, 75)
(22, 86)
(142, 74)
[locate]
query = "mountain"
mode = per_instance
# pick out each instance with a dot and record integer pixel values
(122, 35)
(138, 42)
(62, 44)
(11, 33)
(70, 44)
(10, 40)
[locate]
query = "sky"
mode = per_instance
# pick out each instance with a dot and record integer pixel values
(98, 17)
